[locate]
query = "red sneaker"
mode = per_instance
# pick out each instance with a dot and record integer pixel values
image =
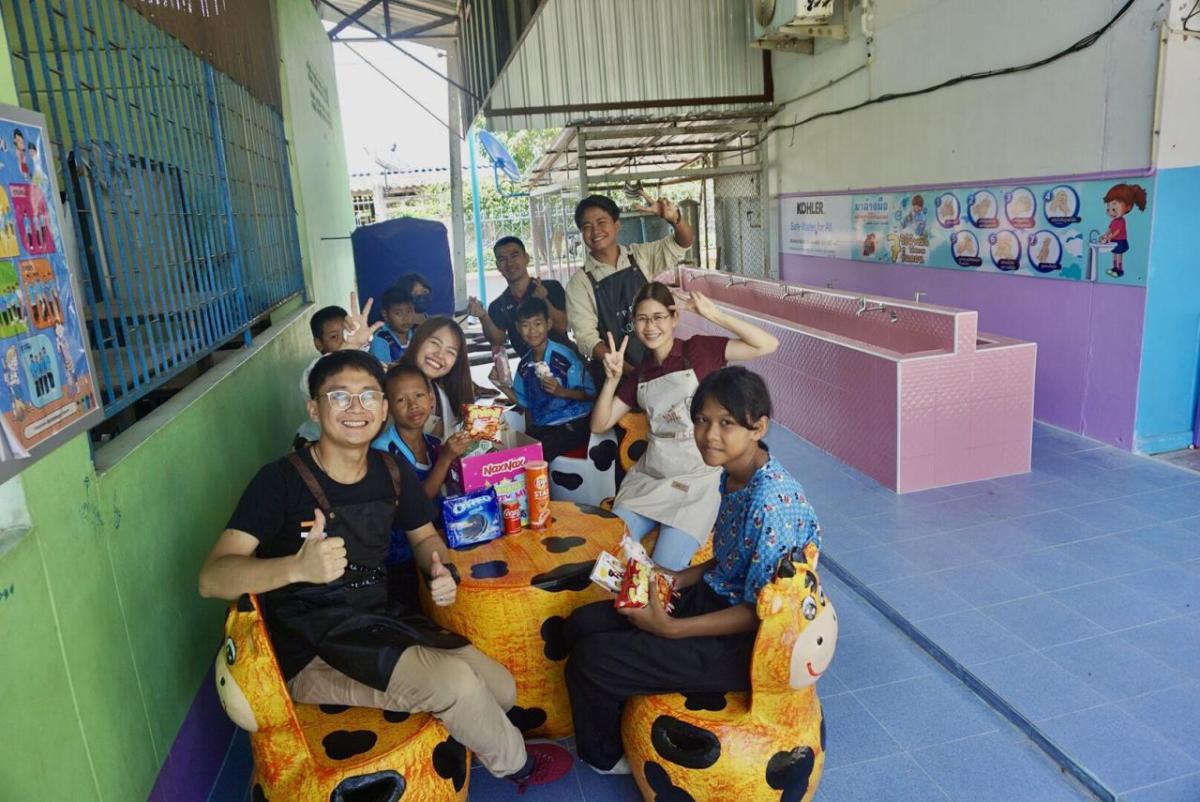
(550, 763)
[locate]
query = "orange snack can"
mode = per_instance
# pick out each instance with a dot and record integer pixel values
(537, 487)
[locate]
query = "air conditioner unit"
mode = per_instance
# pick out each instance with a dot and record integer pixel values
(793, 24)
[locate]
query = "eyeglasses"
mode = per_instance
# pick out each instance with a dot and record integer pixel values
(342, 399)
(657, 320)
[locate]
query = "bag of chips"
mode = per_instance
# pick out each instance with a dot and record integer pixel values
(483, 422)
(639, 581)
(608, 572)
(472, 518)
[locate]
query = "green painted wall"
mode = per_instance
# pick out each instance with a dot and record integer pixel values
(105, 639)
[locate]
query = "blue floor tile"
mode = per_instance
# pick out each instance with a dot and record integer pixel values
(1124, 753)
(1151, 475)
(865, 661)
(1115, 668)
(878, 564)
(1175, 641)
(1173, 585)
(896, 778)
(844, 537)
(972, 637)
(1170, 504)
(1173, 713)
(1042, 621)
(1173, 541)
(855, 617)
(1052, 528)
(946, 550)
(1110, 516)
(1113, 555)
(920, 597)
(1113, 610)
(1111, 459)
(1050, 569)
(997, 767)
(605, 788)
(1059, 493)
(986, 583)
(1184, 789)
(929, 710)
(1036, 686)
(852, 733)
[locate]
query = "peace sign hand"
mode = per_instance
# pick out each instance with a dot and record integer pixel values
(358, 333)
(662, 207)
(614, 360)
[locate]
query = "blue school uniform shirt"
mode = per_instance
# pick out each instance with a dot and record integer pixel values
(755, 527)
(386, 347)
(568, 368)
(400, 550)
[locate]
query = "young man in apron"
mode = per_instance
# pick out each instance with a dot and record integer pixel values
(310, 535)
(600, 295)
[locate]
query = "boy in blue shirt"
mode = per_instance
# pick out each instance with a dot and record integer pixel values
(552, 384)
(398, 311)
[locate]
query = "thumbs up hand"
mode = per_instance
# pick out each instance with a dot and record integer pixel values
(442, 588)
(321, 558)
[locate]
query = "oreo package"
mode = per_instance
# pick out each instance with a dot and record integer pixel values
(472, 518)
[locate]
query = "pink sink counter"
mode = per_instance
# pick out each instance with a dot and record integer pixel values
(915, 402)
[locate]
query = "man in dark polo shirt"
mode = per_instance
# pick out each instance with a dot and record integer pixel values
(500, 319)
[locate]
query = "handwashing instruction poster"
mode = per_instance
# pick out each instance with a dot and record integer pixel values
(1092, 230)
(47, 377)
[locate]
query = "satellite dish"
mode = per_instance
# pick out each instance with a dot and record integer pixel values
(502, 160)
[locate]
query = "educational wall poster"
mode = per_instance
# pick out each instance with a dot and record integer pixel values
(48, 387)
(1087, 230)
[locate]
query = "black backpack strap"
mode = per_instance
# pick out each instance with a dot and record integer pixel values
(393, 470)
(310, 481)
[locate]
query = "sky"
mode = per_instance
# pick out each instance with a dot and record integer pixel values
(378, 120)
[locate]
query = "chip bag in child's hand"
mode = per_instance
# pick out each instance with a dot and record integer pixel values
(608, 571)
(637, 583)
(482, 422)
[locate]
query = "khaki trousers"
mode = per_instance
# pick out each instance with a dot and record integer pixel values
(465, 689)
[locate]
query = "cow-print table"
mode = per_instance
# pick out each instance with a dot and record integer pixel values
(514, 596)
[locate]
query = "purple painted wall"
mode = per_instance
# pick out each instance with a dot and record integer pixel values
(1089, 335)
(195, 758)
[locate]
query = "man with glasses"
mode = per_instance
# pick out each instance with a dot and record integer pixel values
(310, 535)
(500, 319)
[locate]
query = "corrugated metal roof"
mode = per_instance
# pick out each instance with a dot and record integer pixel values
(431, 22)
(584, 60)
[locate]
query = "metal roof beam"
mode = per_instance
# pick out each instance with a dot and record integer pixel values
(353, 17)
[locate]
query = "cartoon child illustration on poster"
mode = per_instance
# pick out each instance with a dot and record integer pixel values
(64, 351)
(19, 147)
(915, 218)
(12, 382)
(1119, 201)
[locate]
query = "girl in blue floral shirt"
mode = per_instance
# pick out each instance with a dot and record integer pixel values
(705, 645)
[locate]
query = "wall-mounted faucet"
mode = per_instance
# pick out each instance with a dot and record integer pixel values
(829, 284)
(733, 281)
(788, 292)
(917, 296)
(865, 306)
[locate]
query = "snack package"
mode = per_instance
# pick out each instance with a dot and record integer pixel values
(640, 578)
(472, 518)
(537, 486)
(482, 422)
(513, 489)
(608, 572)
(478, 447)
(633, 550)
(542, 370)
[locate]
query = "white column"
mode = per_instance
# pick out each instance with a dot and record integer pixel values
(458, 236)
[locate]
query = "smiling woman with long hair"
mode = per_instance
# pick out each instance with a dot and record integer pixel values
(439, 350)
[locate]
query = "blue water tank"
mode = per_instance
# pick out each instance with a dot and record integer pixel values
(383, 252)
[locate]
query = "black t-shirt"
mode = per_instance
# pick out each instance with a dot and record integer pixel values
(503, 312)
(276, 503)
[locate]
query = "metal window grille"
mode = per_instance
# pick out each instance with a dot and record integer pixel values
(176, 181)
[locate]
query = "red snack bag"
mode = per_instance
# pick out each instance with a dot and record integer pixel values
(482, 422)
(636, 585)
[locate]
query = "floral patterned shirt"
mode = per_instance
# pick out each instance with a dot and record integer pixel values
(755, 527)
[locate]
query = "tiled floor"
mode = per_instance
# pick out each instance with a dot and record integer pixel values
(1072, 591)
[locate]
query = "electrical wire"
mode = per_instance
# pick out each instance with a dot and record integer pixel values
(1188, 17)
(389, 79)
(1082, 44)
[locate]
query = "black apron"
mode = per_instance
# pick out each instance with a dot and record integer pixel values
(349, 623)
(614, 308)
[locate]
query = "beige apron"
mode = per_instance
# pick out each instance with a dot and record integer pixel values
(670, 483)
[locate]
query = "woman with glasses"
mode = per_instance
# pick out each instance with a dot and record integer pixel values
(670, 487)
